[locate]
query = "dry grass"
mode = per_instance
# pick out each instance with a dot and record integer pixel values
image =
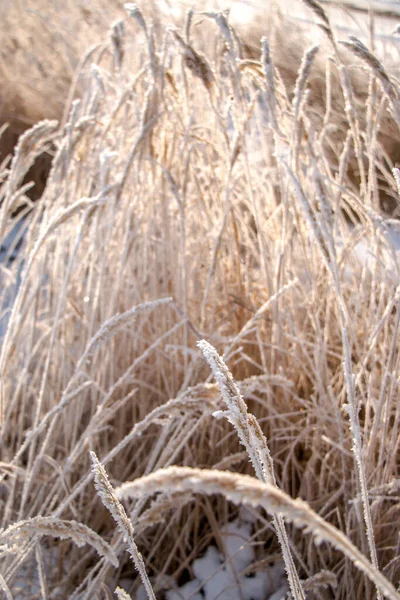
(199, 194)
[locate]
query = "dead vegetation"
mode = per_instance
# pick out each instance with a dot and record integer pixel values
(197, 195)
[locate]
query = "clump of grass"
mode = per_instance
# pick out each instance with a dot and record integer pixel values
(195, 193)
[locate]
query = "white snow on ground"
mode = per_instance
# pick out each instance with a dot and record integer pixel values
(228, 575)
(388, 257)
(9, 248)
(26, 585)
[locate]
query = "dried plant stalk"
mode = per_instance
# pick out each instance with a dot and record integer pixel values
(253, 439)
(195, 62)
(5, 589)
(111, 502)
(38, 526)
(122, 594)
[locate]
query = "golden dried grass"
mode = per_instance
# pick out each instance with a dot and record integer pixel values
(230, 199)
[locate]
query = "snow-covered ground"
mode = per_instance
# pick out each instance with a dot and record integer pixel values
(233, 573)
(9, 248)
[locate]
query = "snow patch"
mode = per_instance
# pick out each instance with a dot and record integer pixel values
(228, 576)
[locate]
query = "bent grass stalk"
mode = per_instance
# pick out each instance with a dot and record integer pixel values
(39, 526)
(111, 502)
(253, 439)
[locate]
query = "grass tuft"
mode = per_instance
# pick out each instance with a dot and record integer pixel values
(213, 182)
